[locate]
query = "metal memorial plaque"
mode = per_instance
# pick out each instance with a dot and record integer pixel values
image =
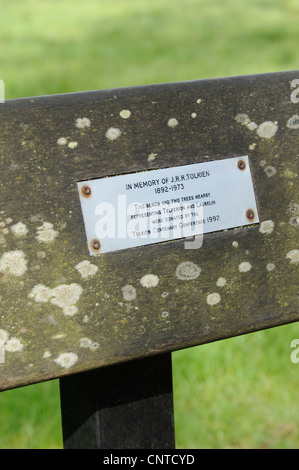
(154, 206)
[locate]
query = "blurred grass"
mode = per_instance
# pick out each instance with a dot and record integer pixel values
(69, 45)
(30, 417)
(237, 393)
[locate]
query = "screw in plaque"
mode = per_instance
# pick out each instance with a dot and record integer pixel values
(86, 191)
(241, 165)
(95, 244)
(250, 214)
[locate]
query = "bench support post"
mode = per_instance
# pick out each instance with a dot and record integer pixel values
(124, 406)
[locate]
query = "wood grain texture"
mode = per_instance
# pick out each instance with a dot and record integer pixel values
(55, 322)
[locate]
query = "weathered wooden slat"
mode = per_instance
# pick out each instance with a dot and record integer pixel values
(58, 316)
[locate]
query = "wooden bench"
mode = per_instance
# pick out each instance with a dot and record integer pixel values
(106, 325)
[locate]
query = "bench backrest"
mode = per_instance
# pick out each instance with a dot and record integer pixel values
(64, 310)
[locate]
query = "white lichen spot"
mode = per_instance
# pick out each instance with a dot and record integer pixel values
(13, 345)
(62, 141)
(172, 122)
(46, 233)
(221, 281)
(70, 310)
(293, 256)
(125, 114)
(19, 229)
(13, 262)
(198, 101)
(47, 354)
(235, 244)
(267, 226)
(151, 157)
(8, 344)
(41, 293)
(263, 163)
(72, 145)
(244, 267)
(149, 280)
(165, 314)
(83, 122)
(88, 343)
(242, 118)
(4, 335)
(270, 266)
(86, 269)
(270, 171)
(293, 122)
(66, 295)
(187, 271)
(85, 342)
(113, 133)
(251, 126)
(193, 115)
(252, 146)
(66, 360)
(213, 299)
(129, 292)
(267, 129)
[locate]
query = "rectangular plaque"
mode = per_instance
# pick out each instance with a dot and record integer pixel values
(154, 206)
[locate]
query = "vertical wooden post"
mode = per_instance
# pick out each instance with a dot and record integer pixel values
(124, 406)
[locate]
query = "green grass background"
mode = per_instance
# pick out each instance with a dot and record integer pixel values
(237, 393)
